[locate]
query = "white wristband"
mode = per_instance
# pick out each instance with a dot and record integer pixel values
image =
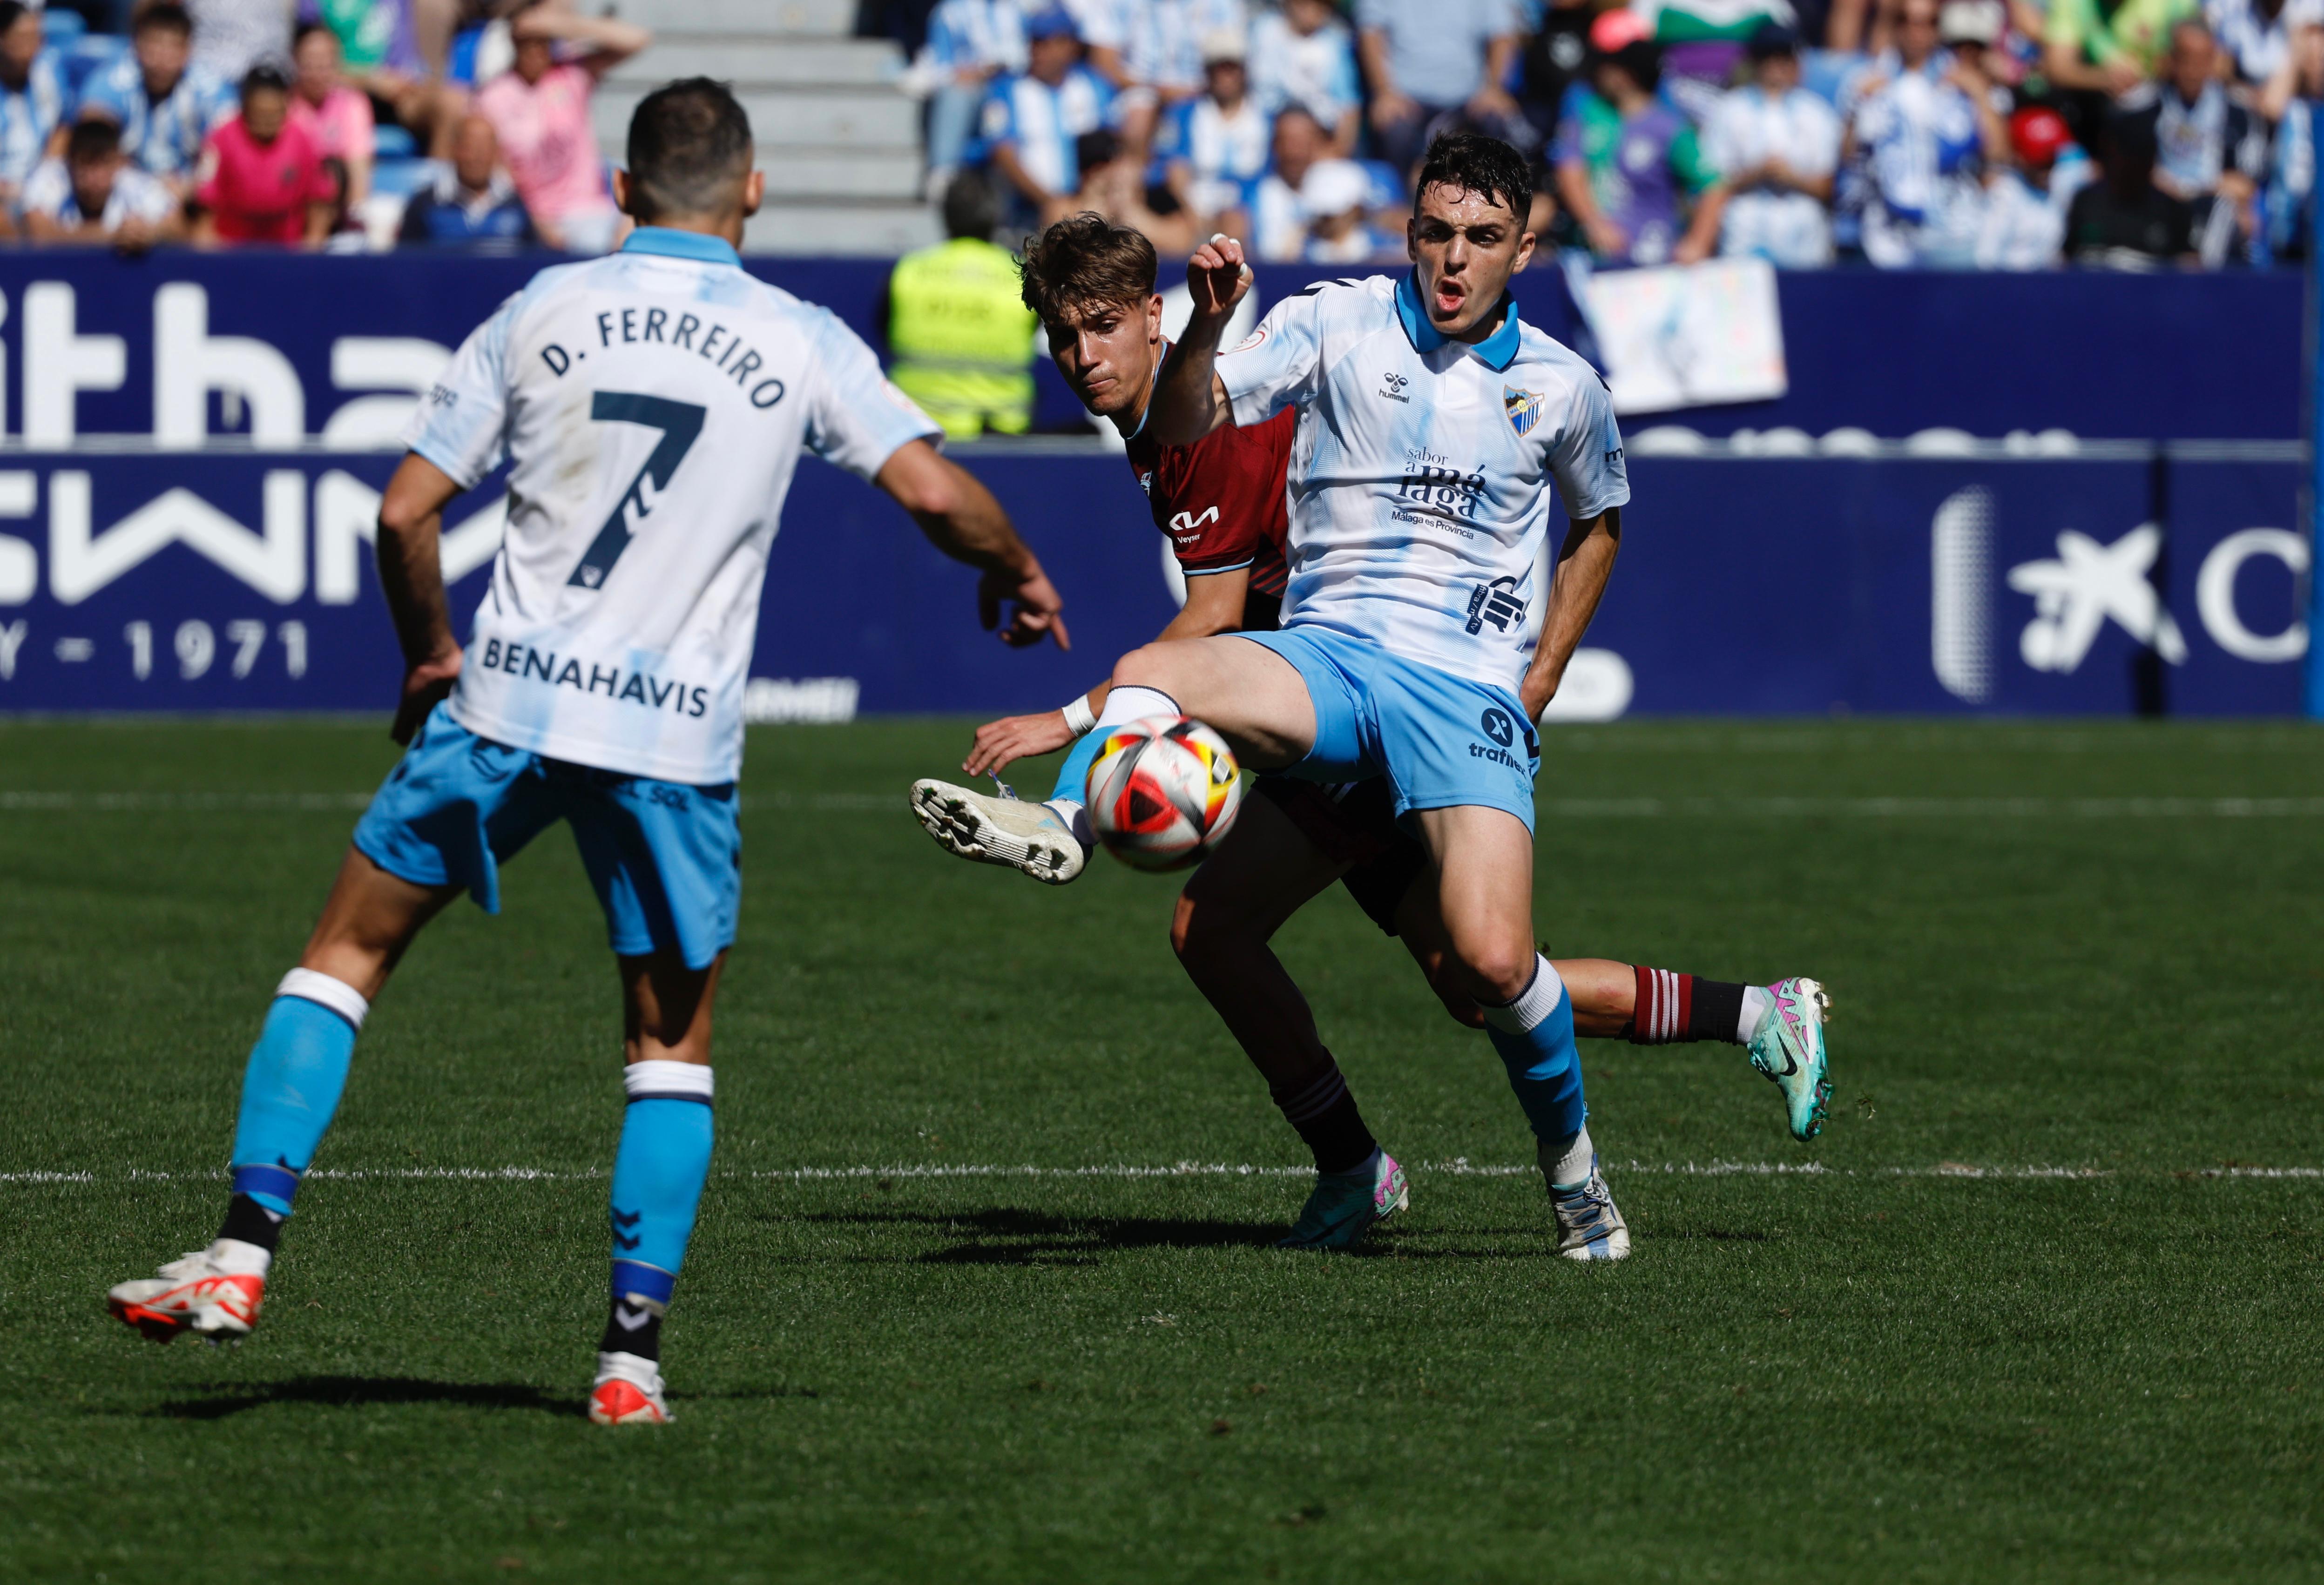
(1079, 717)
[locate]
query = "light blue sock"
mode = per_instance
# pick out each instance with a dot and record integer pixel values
(1122, 705)
(1072, 776)
(1535, 1036)
(292, 1084)
(658, 1177)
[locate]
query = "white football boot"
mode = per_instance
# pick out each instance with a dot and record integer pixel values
(1005, 830)
(213, 1293)
(1589, 1228)
(628, 1392)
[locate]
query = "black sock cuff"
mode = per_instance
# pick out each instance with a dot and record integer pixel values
(1718, 1008)
(249, 1222)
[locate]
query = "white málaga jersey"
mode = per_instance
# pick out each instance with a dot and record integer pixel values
(653, 405)
(1420, 477)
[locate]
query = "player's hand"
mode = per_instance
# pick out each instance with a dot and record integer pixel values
(1538, 688)
(1037, 608)
(1016, 737)
(1217, 277)
(1391, 109)
(425, 686)
(1611, 240)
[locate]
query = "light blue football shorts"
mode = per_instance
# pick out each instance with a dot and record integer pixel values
(666, 858)
(1442, 741)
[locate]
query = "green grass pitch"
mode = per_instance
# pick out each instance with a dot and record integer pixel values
(2088, 948)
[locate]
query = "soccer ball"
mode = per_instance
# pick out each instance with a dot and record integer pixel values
(1162, 792)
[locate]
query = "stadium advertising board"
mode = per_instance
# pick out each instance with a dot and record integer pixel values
(194, 448)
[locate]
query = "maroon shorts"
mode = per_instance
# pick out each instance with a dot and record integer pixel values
(1354, 822)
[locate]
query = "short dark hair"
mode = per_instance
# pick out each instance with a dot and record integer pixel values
(1471, 163)
(92, 140)
(265, 78)
(1093, 149)
(1085, 259)
(689, 141)
(163, 14)
(13, 11)
(970, 207)
(1639, 60)
(303, 32)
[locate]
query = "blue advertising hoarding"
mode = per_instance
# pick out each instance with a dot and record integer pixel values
(191, 448)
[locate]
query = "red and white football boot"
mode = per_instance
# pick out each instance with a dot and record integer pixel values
(628, 1392)
(213, 1293)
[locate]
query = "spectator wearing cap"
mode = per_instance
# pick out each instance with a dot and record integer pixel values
(94, 194)
(1701, 42)
(1971, 33)
(540, 108)
(1339, 232)
(165, 104)
(970, 42)
(1777, 146)
(1113, 184)
(261, 177)
(1428, 59)
(2298, 91)
(471, 205)
(2256, 35)
(2210, 152)
(2023, 225)
(1302, 55)
(1031, 118)
(1629, 165)
(1165, 60)
(31, 100)
(1926, 131)
(334, 115)
(1214, 148)
(2124, 221)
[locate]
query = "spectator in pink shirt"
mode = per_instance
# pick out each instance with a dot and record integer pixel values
(335, 114)
(541, 110)
(261, 177)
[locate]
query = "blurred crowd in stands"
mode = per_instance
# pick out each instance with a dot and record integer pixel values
(335, 124)
(1907, 133)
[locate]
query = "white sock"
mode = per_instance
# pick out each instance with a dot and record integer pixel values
(1566, 1163)
(1128, 701)
(237, 1258)
(1755, 1003)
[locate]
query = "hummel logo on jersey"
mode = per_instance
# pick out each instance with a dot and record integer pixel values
(1498, 604)
(1395, 384)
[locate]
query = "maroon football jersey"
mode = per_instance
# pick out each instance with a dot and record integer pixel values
(1221, 500)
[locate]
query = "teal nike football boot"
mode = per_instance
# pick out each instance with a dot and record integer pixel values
(1788, 1047)
(1346, 1205)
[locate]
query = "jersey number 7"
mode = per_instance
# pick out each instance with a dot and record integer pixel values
(680, 423)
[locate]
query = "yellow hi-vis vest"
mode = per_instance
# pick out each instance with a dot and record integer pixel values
(963, 337)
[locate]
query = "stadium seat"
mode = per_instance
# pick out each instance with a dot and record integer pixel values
(393, 142)
(89, 54)
(64, 28)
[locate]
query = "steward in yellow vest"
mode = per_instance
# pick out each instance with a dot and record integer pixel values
(958, 330)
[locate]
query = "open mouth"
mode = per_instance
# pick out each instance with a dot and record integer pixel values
(1449, 299)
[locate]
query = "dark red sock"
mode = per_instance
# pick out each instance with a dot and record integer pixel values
(1672, 1007)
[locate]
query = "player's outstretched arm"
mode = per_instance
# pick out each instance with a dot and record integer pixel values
(1584, 562)
(411, 527)
(1190, 401)
(960, 518)
(1214, 602)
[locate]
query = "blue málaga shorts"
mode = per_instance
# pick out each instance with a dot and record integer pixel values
(1442, 741)
(666, 858)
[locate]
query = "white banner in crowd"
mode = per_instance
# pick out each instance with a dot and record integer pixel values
(1688, 335)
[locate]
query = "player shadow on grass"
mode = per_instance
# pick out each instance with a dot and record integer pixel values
(1013, 1236)
(357, 1391)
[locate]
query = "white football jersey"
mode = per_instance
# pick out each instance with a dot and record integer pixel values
(1420, 475)
(653, 404)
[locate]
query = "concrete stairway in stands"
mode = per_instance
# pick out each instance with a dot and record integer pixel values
(840, 145)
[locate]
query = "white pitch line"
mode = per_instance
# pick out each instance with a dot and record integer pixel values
(34, 801)
(1460, 1167)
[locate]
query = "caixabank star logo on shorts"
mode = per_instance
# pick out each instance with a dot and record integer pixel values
(1523, 408)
